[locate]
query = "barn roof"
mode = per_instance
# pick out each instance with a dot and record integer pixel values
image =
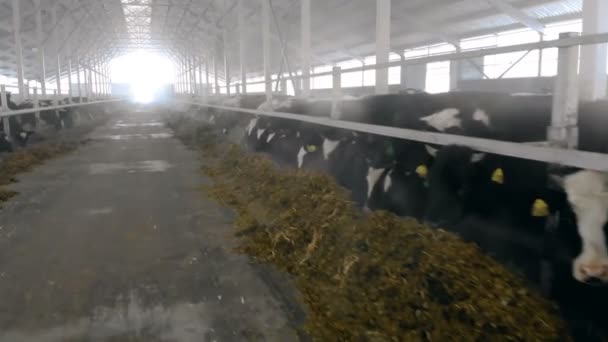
(341, 29)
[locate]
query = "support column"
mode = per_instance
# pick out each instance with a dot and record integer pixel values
(226, 66)
(593, 57)
(215, 76)
(99, 76)
(4, 108)
(201, 90)
(336, 96)
(266, 47)
(40, 46)
(91, 90)
(564, 131)
(242, 46)
(78, 81)
(18, 47)
(207, 81)
(193, 75)
(455, 73)
(383, 43)
(305, 49)
(56, 43)
(70, 92)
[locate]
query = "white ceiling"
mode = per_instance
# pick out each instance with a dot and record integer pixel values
(341, 29)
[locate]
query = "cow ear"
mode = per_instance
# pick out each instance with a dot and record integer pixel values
(557, 180)
(477, 157)
(431, 150)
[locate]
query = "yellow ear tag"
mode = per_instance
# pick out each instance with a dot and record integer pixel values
(311, 148)
(540, 208)
(498, 176)
(422, 171)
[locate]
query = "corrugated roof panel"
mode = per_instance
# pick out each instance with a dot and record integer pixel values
(490, 22)
(452, 11)
(556, 9)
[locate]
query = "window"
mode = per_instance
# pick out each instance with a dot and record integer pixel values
(322, 82)
(438, 77)
(351, 79)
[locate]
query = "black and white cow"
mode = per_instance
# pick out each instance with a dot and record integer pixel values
(21, 126)
(463, 181)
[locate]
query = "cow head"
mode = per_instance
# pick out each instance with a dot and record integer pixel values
(451, 182)
(587, 193)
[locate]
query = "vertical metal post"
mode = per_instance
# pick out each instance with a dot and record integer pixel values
(70, 93)
(185, 75)
(455, 72)
(383, 43)
(99, 78)
(403, 76)
(4, 108)
(564, 116)
(78, 81)
(305, 49)
(242, 45)
(266, 47)
(207, 80)
(18, 46)
(201, 89)
(56, 43)
(87, 83)
(540, 56)
(226, 66)
(40, 47)
(189, 74)
(179, 77)
(593, 57)
(215, 76)
(193, 74)
(36, 104)
(91, 90)
(336, 94)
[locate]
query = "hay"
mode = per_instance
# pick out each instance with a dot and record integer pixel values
(25, 160)
(375, 277)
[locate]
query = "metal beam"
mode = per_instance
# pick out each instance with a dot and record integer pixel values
(243, 45)
(40, 46)
(18, 47)
(593, 57)
(306, 46)
(266, 47)
(383, 43)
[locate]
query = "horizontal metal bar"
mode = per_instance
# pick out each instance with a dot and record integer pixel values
(574, 158)
(39, 109)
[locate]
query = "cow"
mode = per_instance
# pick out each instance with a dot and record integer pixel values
(21, 127)
(555, 235)
(5, 143)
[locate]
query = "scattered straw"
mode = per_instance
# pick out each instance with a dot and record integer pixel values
(375, 277)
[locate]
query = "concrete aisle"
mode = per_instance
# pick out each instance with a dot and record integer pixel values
(117, 242)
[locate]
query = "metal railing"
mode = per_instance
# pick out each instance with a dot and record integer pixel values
(462, 55)
(562, 135)
(574, 158)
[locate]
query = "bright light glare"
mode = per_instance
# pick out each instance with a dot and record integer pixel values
(145, 73)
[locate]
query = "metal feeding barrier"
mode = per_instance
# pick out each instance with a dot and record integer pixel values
(5, 112)
(562, 135)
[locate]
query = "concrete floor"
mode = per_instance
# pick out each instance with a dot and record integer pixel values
(117, 242)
